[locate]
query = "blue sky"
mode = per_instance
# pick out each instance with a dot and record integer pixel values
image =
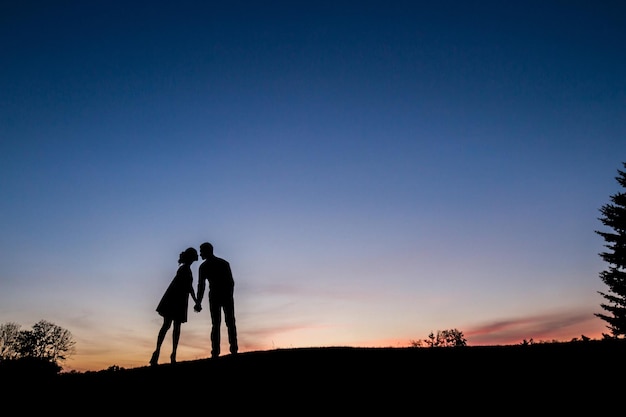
(373, 171)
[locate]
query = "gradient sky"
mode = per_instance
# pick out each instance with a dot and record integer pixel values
(372, 170)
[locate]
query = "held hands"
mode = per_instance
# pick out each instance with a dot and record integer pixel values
(197, 308)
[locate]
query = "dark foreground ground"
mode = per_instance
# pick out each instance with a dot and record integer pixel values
(575, 377)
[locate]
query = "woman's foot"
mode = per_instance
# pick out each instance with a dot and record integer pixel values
(173, 358)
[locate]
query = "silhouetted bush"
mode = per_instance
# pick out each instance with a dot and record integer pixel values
(28, 367)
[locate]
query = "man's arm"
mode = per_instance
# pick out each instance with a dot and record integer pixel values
(200, 292)
(229, 275)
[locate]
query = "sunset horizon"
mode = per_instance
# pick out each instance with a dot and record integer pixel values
(371, 171)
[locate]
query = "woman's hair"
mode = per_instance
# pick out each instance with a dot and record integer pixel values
(189, 255)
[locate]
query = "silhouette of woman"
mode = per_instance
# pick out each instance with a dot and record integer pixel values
(174, 303)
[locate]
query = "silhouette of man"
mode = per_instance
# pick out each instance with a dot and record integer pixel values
(221, 288)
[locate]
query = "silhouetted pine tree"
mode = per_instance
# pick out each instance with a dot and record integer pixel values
(614, 217)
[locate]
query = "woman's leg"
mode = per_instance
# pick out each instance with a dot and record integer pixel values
(175, 338)
(162, 332)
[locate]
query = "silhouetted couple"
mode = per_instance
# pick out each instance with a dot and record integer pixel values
(174, 304)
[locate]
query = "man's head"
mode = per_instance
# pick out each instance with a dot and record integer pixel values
(206, 250)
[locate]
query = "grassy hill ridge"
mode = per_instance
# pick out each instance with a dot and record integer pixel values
(557, 376)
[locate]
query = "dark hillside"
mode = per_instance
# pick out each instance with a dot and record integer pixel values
(340, 380)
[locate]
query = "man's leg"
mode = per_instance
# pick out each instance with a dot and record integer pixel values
(229, 319)
(216, 322)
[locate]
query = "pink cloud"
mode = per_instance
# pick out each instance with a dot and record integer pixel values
(544, 327)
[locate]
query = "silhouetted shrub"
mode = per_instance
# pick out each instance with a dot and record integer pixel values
(28, 367)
